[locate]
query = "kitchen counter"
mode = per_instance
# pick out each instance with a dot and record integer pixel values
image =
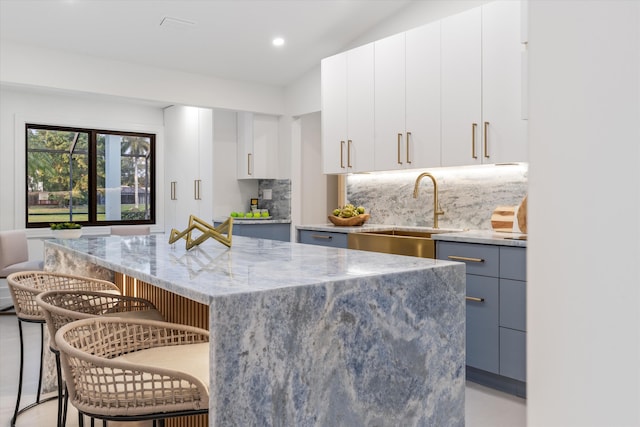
(307, 335)
(488, 237)
(253, 221)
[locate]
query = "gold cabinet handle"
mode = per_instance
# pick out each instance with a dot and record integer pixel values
(486, 147)
(173, 190)
(474, 299)
(196, 189)
(319, 236)
(464, 258)
(473, 140)
(408, 137)
(342, 154)
(399, 142)
(249, 164)
(349, 154)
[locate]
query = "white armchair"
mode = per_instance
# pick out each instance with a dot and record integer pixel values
(14, 253)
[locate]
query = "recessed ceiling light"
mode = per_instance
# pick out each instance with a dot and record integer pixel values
(278, 41)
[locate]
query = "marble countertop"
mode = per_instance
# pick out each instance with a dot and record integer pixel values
(307, 335)
(212, 269)
(240, 221)
(488, 237)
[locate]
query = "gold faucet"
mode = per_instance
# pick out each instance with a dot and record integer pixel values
(436, 210)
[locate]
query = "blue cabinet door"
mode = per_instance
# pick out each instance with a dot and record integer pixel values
(323, 238)
(482, 323)
(513, 354)
(275, 231)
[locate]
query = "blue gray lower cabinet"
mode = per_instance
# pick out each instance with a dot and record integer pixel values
(276, 231)
(323, 238)
(496, 312)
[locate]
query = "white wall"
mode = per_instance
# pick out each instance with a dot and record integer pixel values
(20, 105)
(314, 184)
(229, 193)
(583, 290)
(23, 65)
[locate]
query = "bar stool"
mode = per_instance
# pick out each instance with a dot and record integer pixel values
(132, 370)
(62, 307)
(24, 286)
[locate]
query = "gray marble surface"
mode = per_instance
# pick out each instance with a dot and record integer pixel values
(307, 335)
(487, 237)
(252, 221)
(279, 205)
(468, 195)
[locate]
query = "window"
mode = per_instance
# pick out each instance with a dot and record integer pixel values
(89, 176)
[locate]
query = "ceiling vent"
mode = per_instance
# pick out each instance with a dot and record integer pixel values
(177, 23)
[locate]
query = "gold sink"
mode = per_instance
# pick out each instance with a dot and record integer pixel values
(399, 242)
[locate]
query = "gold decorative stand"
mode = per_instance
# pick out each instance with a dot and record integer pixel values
(207, 230)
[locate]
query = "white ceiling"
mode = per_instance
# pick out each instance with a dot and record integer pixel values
(230, 39)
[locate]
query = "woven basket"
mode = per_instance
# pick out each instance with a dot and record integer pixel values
(353, 221)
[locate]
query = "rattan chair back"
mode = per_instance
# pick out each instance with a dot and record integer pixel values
(25, 285)
(105, 388)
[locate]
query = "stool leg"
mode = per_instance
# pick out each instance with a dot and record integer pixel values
(60, 395)
(80, 419)
(41, 362)
(15, 413)
(66, 406)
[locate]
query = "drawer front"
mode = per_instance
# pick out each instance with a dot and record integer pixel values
(513, 304)
(480, 259)
(513, 263)
(323, 238)
(482, 323)
(513, 354)
(262, 231)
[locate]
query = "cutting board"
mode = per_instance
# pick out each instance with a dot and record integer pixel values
(502, 218)
(522, 216)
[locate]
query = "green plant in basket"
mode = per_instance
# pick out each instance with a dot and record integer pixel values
(65, 226)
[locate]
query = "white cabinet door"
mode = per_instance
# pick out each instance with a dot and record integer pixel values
(461, 88)
(257, 146)
(504, 132)
(189, 174)
(347, 111)
(390, 143)
(407, 99)
(422, 130)
(360, 109)
(334, 113)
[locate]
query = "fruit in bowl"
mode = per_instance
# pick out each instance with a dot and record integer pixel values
(349, 215)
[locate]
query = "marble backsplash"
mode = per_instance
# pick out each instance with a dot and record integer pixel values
(280, 204)
(468, 195)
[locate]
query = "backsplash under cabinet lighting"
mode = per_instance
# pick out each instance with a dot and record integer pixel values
(467, 195)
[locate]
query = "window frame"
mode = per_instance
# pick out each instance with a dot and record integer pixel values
(92, 178)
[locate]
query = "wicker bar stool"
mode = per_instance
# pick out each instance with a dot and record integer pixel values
(131, 370)
(24, 286)
(62, 307)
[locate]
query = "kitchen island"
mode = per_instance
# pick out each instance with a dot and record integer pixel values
(303, 335)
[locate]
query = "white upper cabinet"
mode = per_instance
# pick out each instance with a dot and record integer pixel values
(504, 132)
(347, 111)
(461, 88)
(449, 93)
(423, 95)
(481, 86)
(257, 146)
(407, 99)
(189, 170)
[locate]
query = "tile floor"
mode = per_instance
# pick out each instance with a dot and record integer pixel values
(484, 407)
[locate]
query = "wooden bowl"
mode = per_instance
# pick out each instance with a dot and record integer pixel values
(353, 221)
